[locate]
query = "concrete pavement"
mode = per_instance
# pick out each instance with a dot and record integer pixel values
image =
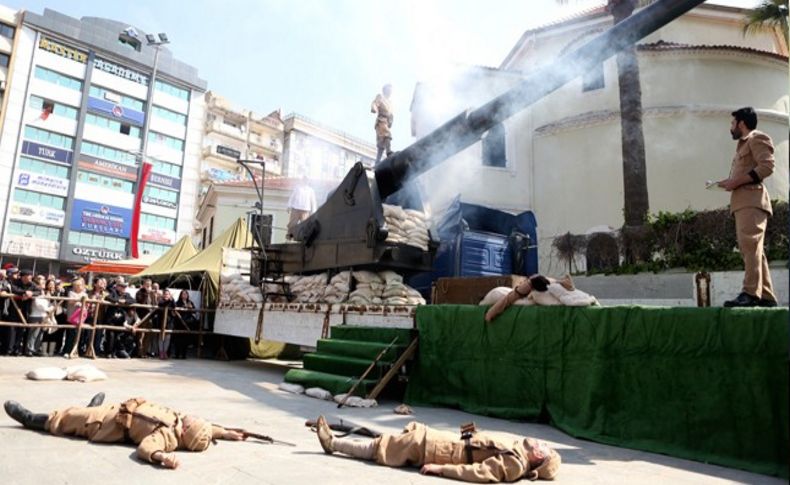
(245, 394)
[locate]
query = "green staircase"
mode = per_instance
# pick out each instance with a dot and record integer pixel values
(341, 359)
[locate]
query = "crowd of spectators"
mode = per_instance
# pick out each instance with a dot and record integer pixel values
(26, 298)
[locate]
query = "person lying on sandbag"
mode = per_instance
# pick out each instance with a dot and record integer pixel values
(537, 290)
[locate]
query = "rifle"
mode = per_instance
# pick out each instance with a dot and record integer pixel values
(262, 437)
(347, 429)
(367, 371)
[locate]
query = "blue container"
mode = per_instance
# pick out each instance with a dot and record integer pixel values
(480, 241)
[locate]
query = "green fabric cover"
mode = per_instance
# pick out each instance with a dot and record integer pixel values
(342, 365)
(359, 349)
(333, 383)
(372, 334)
(707, 384)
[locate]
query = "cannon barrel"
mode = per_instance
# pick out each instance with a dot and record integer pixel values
(468, 127)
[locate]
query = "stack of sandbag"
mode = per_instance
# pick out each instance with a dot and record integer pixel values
(398, 293)
(235, 289)
(369, 289)
(337, 289)
(309, 289)
(406, 226)
(275, 292)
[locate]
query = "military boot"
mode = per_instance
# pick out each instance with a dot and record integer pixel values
(23, 416)
(324, 435)
(97, 400)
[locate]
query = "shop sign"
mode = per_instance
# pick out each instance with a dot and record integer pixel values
(61, 50)
(101, 219)
(37, 214)
(42, 151)
(31, 246)
(42, 183)
(120, 71)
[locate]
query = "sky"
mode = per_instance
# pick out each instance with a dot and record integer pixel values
(327, 59)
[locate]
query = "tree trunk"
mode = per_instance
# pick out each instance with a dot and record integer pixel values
(636, 203)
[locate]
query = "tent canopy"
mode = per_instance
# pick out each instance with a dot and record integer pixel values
(205, 264)
(180, 252)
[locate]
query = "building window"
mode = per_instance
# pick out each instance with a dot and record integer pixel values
(165, 168)
(169, 197)
(7, 31)
(158, 222)
(57, 78)
(49, 137)
(168, 141)
(117, 98)
(172, 90)
(494, 153)
(53, 107)
(4, 60)
(36, 198)
(96, 241)
(593, 79)
(153, 248)
(108, 153)
(170, 116)
(44, 168)
(111, 183)
(112, 125)
(33, 230)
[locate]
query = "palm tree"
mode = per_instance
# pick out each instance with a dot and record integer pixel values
(636, 204)
(772, 13)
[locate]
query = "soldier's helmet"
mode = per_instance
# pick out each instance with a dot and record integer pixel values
(196, 435)
(550, 466)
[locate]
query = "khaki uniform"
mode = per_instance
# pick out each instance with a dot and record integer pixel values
(751, 206)
(481, 459)
(383, 109)
(151, 426)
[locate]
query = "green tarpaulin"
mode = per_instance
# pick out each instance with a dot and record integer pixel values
(708, 384)
(206, 264)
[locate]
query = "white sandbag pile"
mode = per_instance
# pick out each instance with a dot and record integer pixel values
(309, 289)
(337, 289)
(397, 293)
(80, 373)
(406, 226)
(235, 289)
(369, 289)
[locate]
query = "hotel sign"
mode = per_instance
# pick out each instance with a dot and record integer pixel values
(63, 51)
(228, 151)
(116, 110)
(101, 219)
(120, 71)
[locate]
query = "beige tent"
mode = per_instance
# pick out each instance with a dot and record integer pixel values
(206, 264)
(180, 252)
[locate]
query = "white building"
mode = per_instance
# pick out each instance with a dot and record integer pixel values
(561, 157)
(70, 145)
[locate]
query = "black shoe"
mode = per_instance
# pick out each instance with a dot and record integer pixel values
(122, 354)
(743, 300)
(97, 400)
(766, 303)
(25, 417)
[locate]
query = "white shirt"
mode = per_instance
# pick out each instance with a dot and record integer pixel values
(303, 198)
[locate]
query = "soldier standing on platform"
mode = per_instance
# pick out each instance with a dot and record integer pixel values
(382, 107)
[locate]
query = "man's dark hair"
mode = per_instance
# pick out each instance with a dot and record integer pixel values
(747, 115)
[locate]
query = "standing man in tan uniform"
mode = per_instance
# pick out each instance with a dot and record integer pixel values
(157, 430)
(472, 457)
(382, 107)
(751, 206)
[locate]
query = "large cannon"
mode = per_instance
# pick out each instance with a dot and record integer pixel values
(349, 229)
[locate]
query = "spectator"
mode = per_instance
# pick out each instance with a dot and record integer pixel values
(6, 336)
(166, 302)
(96, 313)
(76, 314)
(148, 347)
(54, 335)
(39, 309)
(190, 321)
(120, 344)
(24, 290)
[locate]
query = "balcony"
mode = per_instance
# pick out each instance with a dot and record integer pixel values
(217, 126)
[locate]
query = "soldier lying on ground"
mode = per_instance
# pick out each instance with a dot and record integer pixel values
(157, 430)
(472, 457)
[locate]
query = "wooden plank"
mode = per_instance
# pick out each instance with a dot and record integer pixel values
(394, 369)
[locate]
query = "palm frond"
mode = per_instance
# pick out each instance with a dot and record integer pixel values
(769, 14)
